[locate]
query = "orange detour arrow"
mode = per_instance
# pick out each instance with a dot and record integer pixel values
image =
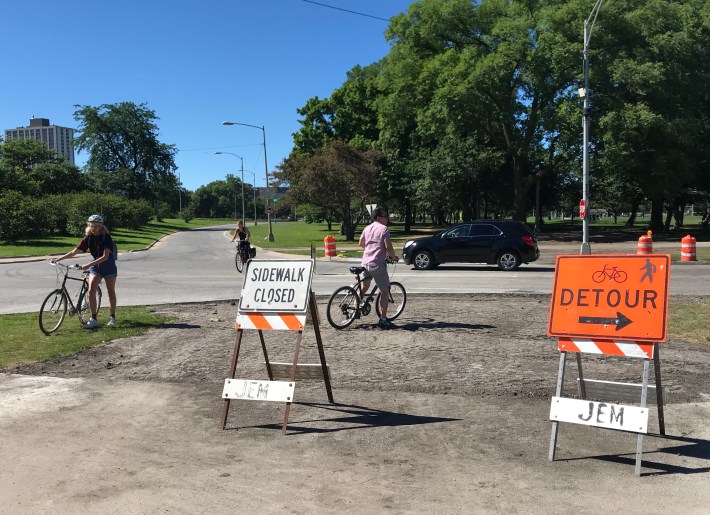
(613, 296)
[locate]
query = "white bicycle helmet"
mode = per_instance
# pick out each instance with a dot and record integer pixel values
(96, 218)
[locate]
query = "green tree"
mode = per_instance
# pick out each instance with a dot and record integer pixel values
(348, 115)
(651, 56)
(337, 178)
(490, 74)
(27, 166)
(125, 154)
(221, 199)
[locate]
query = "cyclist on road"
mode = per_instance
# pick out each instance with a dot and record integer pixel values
(375, 239)
(243, 234)
(99, 243)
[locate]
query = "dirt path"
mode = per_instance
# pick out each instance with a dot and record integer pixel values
(448, 413)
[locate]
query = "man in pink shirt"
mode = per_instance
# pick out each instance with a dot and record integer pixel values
(375, 239)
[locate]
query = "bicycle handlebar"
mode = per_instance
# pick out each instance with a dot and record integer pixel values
(75, 266)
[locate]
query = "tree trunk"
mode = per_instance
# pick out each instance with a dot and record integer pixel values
(520, 199)
(407, 215)
(632, 217)
(657, 214)
(679, 214)
(669, 219)
(347, 227)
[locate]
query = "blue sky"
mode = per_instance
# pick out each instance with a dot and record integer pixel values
(195, 64)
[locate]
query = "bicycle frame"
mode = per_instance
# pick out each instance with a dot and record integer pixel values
(367, 296)
(73, 308)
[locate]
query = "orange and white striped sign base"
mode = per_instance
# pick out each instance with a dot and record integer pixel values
(627, 349)
(271, 321)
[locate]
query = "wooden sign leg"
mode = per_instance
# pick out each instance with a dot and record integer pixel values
(319, 341)
(582, 387)
(639, 441)
(558, 393)
(232, 372)
(659, 389)
(266, 356)
(293, 378)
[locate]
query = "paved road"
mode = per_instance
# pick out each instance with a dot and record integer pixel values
(198, 265)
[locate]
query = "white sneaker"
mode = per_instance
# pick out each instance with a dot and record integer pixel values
(111, 322)
(91, 324)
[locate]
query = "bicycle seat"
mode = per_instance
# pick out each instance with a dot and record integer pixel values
(357, 270)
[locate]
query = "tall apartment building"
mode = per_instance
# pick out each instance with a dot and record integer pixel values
(59, 139)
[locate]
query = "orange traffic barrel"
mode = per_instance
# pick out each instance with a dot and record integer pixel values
(329, 246)
(687, 249)
(645, 245)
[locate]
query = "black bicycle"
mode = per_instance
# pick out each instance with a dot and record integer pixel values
(345, 304)
(55, 306)
(243, 255)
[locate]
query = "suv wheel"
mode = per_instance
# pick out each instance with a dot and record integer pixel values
(423, 260)
(508, 260)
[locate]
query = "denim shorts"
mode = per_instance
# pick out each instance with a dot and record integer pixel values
(107, 269)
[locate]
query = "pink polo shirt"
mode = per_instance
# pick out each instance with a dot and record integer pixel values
(373, 239)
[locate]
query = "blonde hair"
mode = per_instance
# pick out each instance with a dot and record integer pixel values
(87, 231)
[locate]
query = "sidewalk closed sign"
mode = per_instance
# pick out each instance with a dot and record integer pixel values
(610, 296)
(276, 285)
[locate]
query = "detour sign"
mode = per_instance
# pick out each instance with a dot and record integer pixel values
(610, 296)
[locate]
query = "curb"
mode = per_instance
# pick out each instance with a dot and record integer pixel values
(32, 259)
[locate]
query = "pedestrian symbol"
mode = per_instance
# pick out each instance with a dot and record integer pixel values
(650, 270)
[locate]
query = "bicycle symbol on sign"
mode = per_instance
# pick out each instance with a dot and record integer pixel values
(611, 273)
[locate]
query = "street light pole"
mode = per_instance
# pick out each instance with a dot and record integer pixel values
(253, 190)
(266, 172)
(180, 194)
(235, 197)
(586, 111)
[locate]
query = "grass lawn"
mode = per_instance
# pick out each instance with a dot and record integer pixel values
(126, 239)
(21, 340)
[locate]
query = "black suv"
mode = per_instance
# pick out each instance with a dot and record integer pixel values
(503, 242)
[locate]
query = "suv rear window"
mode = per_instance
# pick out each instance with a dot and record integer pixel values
(485, 230)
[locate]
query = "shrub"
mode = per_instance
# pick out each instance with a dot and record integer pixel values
(117, 211)
(162, 210)
(54, 210)
(15, 220)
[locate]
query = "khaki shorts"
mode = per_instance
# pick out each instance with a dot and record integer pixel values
(380, 275)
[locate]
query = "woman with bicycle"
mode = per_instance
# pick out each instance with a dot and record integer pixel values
(99, 243)
(241, 232)
(375, 240)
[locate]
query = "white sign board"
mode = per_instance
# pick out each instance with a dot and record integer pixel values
(599, 414)
(251, 390)
(371, 208)
(276, 286)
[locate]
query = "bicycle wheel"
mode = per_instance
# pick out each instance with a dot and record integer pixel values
(620, 276)
(398, 298)
(342, 307)
(239, 261)
(52, 312)
(82, 306)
